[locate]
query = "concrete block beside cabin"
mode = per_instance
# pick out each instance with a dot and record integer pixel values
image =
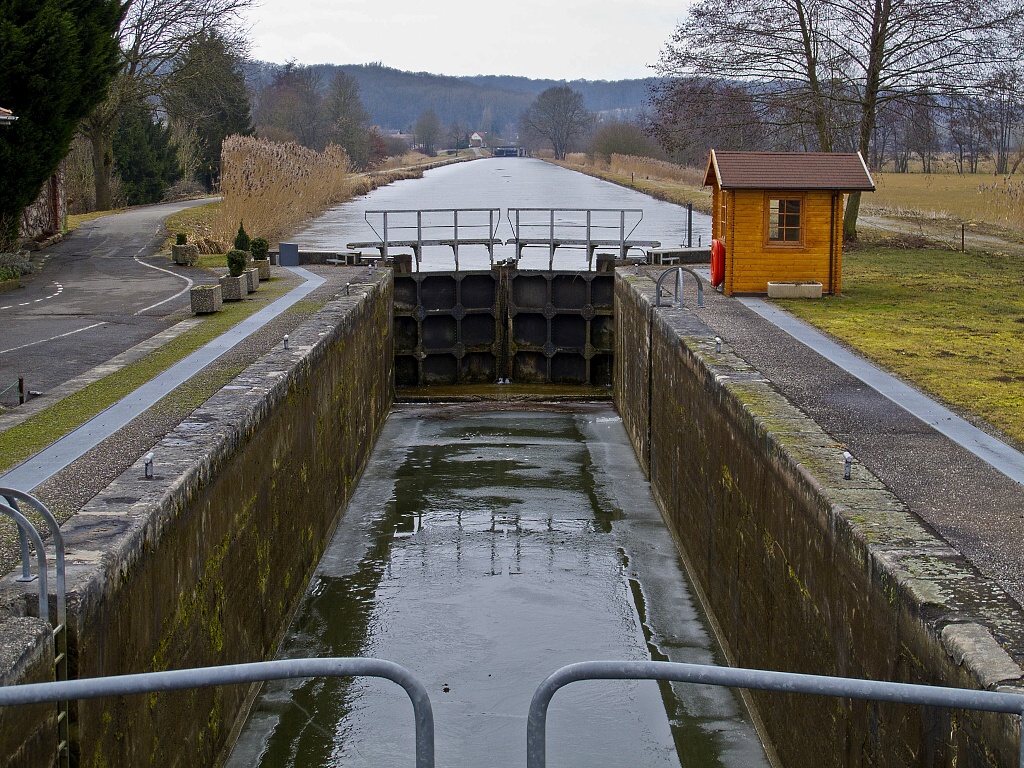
(782, 290)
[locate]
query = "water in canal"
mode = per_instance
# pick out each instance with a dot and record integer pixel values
(482, 550)
(509, 182)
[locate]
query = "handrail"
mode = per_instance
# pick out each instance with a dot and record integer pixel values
(30, 530)
(679, 286)
(205, 677)
(584, 221)
(417, 227)
(13, 494)
(736, 677)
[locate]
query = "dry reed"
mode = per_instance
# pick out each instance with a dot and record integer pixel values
(272, 187)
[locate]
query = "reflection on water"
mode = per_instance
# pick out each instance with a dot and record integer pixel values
(501, 183)
(483, 550)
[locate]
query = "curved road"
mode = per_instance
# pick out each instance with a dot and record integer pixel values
(97, 293)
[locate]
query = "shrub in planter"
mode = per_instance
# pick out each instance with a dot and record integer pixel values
(179, 239)
(259, 248)
(242, 242)
(236, 262)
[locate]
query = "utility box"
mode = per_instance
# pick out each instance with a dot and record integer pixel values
(288, 254)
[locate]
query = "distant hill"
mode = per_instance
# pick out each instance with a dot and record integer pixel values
(395, 99)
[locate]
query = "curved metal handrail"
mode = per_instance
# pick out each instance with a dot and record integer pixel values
(13, 494)
(30, 530)
(679, 286)
(284, 669)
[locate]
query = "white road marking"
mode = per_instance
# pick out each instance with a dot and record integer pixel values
(188, 281)
(60, 289)
(52, 338)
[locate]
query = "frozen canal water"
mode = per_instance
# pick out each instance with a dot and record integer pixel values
(482, 550)
(508, 182)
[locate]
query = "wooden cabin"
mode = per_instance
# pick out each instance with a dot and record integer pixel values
(780, 215)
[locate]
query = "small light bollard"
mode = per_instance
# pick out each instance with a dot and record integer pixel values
(847, 464)
(147, 466)
(286, 341)
(718, 343)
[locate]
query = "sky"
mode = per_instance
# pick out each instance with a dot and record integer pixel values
(557, 39)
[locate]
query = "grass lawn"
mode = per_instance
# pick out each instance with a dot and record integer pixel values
(950, 322)
(31, 436)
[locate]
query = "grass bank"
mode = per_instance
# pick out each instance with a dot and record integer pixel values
(950, 322)
(657, 178)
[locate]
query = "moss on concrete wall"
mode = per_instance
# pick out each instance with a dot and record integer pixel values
(802, 570)
(205, 564)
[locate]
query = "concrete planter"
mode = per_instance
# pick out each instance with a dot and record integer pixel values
(186, 255)
(252, 280)
(263, 265)
(233, 288)
(206, 299)
(780, 290)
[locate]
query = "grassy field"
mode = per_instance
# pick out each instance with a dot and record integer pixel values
(950, 322)
(992, 200)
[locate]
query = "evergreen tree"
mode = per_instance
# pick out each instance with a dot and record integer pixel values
(57, 58)
(143, 156)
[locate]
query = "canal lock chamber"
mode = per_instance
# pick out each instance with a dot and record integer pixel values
(206, 563)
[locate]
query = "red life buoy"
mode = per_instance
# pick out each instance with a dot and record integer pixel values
(717, 262)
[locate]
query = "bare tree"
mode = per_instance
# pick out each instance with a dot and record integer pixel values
(827, 55)
(428, 131)
(558, 115)
(291, 108)
(153, 35)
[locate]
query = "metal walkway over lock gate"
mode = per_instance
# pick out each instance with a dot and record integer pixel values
(550, 229)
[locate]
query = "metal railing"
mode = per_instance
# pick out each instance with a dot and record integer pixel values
(586, 228)
(20, 384)
(10, 505)
(416, 229)
(205, 677)
(734, 677)
(678, 271)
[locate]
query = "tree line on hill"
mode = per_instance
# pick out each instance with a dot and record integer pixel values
(144, 93)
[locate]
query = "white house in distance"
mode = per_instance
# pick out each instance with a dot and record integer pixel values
(477, 139)
(7, 117)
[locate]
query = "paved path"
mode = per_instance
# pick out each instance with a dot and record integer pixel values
(60, 454)
(98, 293)
(964, 484)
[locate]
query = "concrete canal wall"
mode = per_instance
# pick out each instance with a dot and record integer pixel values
(205, 564)
(802, 570)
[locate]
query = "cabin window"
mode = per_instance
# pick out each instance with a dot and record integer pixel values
(785, 220)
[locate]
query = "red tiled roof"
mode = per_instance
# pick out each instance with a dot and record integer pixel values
(843, 171)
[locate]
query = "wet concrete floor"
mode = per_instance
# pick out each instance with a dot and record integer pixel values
(483, 549)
